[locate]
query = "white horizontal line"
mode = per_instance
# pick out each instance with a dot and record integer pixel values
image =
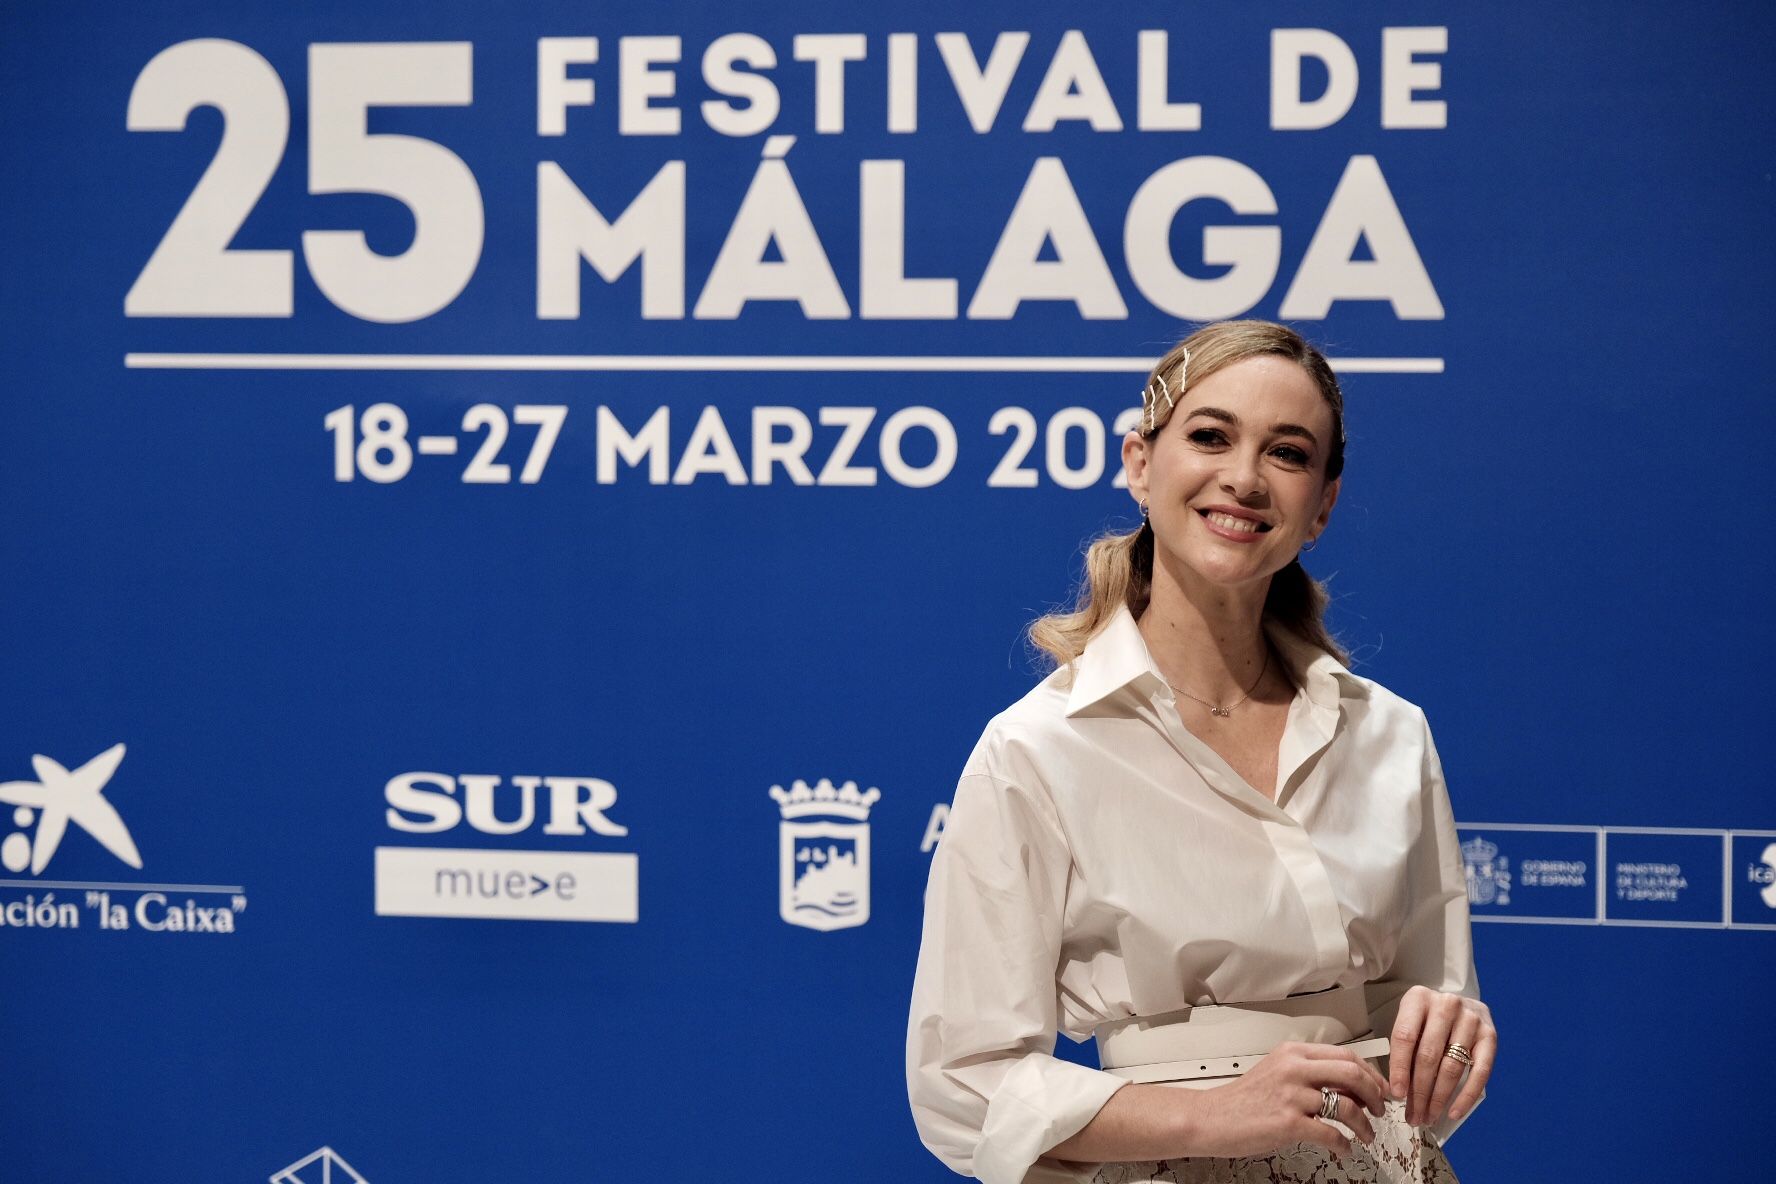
(714, 362)
(1614, 830)
(1616, 921)
(233, 889)
(1527, 826)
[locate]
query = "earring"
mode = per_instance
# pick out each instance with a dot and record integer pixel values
(1309, 544)
(1143, 510)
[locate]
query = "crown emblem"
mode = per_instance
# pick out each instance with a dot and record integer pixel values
(824, 799)
(1478, 850)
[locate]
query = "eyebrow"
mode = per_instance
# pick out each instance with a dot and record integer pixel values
(1281, 429)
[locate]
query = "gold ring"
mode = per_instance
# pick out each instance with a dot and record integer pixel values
(1459, 1053)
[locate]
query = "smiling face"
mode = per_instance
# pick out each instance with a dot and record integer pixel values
(1235, 480)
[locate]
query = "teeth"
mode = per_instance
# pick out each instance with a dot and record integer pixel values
(1229, 522)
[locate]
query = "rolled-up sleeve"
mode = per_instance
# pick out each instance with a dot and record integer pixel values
(1436, 944)
(988, 1094)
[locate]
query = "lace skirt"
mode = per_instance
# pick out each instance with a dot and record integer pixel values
(1401, 1154)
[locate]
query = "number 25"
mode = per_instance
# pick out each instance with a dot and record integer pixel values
(194, 273)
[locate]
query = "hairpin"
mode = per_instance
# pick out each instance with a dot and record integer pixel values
(1157, 390)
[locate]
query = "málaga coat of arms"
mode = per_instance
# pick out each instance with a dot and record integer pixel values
(823, 865)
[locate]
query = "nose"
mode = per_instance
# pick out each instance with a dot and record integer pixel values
(1243, 477)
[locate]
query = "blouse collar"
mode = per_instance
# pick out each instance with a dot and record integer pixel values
(1117, 656)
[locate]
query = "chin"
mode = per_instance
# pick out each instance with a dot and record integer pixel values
(1229, 575)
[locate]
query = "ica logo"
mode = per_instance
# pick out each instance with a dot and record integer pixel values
(1764, 872)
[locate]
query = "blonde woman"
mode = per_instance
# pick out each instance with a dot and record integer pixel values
(1205, 842)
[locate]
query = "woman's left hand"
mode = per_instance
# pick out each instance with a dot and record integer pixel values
(1419, 1069)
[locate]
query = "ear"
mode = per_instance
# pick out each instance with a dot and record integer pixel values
(1327, 502)
(1134, 463)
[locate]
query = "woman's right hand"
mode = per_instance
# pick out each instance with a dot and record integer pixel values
(1277, 1102)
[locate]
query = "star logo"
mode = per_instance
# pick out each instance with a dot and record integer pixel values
(57, 798)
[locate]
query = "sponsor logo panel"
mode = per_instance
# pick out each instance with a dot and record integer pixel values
(1752, 869)
(1667, 877)
(61, 803)
(498, 877)
(1530, 874)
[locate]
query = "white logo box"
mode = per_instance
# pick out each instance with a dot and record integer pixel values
(506, 885)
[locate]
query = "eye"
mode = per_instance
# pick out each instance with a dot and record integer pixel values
(1208, 437)
(1289, 454)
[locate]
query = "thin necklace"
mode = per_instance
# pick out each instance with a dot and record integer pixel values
(1224, 712)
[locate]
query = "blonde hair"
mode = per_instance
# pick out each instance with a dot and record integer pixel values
(1119, 567)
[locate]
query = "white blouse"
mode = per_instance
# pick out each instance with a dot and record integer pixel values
(1101, 862)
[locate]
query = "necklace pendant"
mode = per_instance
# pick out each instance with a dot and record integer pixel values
(1221, 711)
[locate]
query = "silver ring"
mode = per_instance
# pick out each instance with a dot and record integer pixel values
(1329, 1102)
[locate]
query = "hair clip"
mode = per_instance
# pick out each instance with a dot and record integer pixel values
(1157, 390)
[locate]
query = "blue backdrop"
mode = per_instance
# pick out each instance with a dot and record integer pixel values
(403, 640)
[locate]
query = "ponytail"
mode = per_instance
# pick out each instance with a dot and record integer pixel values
(1297, 601)
(1118, 570)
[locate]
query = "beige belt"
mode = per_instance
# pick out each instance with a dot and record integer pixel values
(1202, 1046)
